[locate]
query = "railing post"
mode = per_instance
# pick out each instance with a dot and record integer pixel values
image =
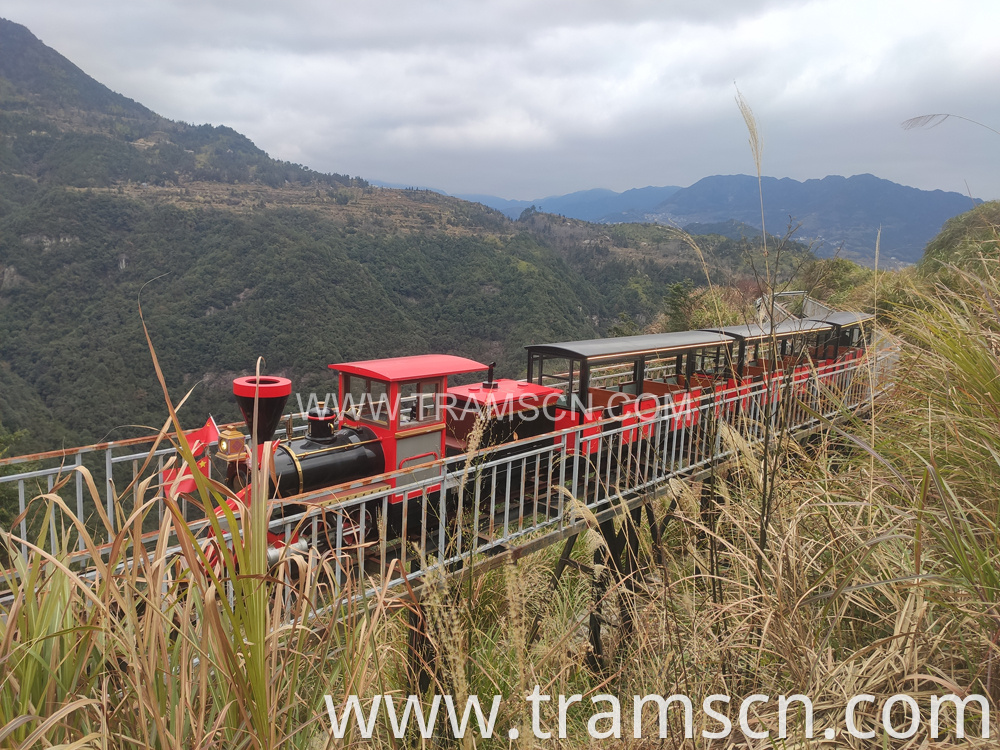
(52, 520)
(109, 473)
(339, 555)
(79, 497)
(24, 519)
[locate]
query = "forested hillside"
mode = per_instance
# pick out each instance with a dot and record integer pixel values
(238, 255)
(222, 288)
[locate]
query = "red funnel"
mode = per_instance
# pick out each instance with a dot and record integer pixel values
(272, 393)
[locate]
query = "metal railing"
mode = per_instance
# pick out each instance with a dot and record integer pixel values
(439, 515)
(113, 465)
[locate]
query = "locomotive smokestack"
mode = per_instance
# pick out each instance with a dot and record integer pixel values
(272, 393)
(489, 377)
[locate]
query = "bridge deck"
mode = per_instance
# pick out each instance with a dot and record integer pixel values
(499, 504)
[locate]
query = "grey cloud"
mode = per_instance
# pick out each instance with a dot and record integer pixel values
(524, 98)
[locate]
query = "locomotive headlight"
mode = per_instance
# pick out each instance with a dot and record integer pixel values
(231, 445)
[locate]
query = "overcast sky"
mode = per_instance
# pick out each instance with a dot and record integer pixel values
(530, 98)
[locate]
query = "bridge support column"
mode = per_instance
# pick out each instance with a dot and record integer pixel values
(421, 650)
(709, 513)
(617, 561)
(599, 588)
(561, 565)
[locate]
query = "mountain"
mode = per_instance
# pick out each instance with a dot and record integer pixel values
(61, 127)
(36, 74)
(838, 214)
(105, 204)
(964, 242)
(597, 205)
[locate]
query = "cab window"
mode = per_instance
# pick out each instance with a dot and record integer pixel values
(366, 400)
(419, 403)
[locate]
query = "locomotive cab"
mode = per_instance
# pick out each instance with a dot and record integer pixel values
(400, 400)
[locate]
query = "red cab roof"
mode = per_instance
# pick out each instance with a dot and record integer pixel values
(418, 367)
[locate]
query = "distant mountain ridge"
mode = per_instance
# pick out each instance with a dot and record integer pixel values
(844, 214)
(598, 205)
(838, 214)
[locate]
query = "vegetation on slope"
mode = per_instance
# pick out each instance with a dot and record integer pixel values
(965, 240)
(300, 290)
(301, 277)
(305, 275)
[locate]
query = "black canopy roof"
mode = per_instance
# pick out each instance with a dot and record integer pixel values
(790, 327)
(629, 347)
(846, 318)
(664, 344)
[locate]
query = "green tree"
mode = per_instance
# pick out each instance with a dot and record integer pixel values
(678, 305)
(624, 326)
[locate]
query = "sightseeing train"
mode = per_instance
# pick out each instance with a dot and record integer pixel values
(395, 418)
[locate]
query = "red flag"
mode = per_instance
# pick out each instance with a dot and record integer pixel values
(178, 481)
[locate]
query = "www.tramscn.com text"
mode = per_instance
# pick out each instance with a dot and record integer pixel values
(898, 716)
